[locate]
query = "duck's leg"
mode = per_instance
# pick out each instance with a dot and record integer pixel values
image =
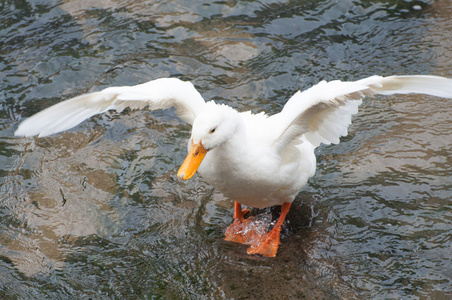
(270, 243)
(234, 233)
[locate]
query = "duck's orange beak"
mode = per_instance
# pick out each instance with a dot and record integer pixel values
(192, 161)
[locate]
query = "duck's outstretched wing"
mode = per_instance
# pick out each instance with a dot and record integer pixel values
(157, 94)
(323, 113)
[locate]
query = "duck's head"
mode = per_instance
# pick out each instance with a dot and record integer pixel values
(211, 128)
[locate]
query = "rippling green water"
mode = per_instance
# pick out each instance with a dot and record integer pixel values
(99, 212)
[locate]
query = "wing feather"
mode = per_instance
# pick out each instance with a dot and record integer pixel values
(157, 94)
(323, 113)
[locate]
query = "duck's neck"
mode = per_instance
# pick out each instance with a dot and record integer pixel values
(235, 144)
(226, 156)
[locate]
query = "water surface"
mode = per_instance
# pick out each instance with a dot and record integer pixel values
(98, 211)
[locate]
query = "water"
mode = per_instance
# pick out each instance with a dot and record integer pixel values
(98, 212)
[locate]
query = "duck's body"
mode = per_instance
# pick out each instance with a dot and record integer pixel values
(250, 170)
(255, 159)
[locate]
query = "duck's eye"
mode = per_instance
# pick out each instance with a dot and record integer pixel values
(212, 130)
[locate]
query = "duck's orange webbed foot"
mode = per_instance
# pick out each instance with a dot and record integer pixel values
(243, 231)
(236, 232)
(268, 245)
(265, 244)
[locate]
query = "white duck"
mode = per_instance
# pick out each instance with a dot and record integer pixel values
(255, 159)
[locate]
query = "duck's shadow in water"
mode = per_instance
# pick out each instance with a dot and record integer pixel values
(302, 267)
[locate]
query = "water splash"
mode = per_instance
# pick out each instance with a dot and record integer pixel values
(252, 232)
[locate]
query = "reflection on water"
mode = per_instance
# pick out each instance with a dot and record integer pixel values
(99, 212)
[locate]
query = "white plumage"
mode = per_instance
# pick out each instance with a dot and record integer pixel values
(254, 159)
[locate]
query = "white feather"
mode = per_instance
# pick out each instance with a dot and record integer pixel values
(254, 159)
(323, 113)
(157, 94)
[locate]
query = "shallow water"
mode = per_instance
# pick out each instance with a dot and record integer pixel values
(99, 212)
